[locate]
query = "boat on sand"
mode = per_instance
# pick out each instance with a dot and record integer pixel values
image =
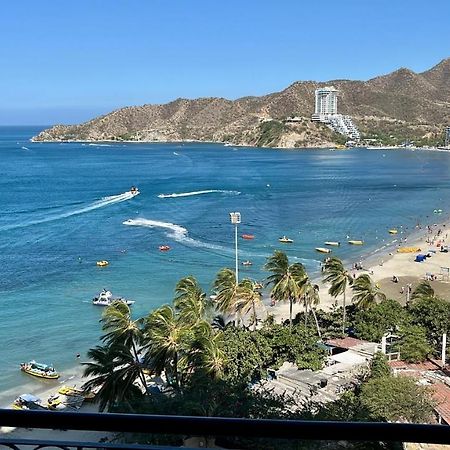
(28, 401)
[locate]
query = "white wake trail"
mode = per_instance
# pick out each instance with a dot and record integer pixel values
(175, 232)
(190, 194)
(105, 201)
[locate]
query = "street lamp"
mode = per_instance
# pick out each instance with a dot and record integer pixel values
(235, 218)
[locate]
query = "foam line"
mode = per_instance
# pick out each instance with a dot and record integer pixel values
(190, 194)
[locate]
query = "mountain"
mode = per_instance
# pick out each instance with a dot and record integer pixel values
(390, 108)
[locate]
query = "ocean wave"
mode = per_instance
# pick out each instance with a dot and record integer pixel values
(105, 201)
(190, 194)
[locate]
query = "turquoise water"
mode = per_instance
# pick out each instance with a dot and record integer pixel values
(62, 210)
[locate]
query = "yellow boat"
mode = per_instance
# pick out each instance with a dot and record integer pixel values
(73, 391)
(102, 263)
(323, 250)
(393, 231)
(409, 250)
(356, 242)
(39, 370)
(286, 240)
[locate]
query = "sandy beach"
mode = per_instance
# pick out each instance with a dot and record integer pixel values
(383, 265)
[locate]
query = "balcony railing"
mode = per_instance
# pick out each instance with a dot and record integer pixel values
(208, 426)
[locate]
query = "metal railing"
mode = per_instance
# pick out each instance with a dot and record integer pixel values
(211, 426)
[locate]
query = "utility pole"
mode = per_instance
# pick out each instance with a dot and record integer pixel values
(235, 218)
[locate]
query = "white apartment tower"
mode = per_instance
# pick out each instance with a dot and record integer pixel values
(326, 103)
(325, 111)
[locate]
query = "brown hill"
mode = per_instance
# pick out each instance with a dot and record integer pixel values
(400, 105)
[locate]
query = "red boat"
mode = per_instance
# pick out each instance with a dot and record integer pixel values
(248, 236)
(164, 248)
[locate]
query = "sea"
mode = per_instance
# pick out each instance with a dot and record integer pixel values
(65, 206)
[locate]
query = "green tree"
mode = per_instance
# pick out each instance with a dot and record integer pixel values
(423, 291)
(113, 370)
(190, 301)
(395, 399)
(372, 323)
(339, 278)
(365, 292)
(414, 346)
(287, 281)
(379, 366)
(121, 329)
(311, 300)
(433, 314)
(227, 291)
(248, 299)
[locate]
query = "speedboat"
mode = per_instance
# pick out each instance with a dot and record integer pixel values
(248, 237)
(28, 401)
(39, 370)
(134, 190)
(164, 248)
(286, 240)
(353, 242)
(323, 250)
(333, 243)
(393, 231)
(102, 263)
(247, 263)
(105, 298)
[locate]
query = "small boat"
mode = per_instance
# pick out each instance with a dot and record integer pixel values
(248, 237)
(28, 401)
(102, 263)
(356, 242)
(105, 298)
(247, 263)
(393, 231)
(39, 370)
(73, 391)
(134, 190)
(333, 243)
(286, 240)
(164, 248)
(323, 250)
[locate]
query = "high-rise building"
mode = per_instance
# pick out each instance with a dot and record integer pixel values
(326, 103)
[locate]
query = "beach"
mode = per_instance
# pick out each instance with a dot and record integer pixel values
(383, 265)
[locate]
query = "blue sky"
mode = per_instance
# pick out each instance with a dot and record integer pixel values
(67, 61)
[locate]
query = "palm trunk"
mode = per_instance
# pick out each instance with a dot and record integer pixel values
(290, 313)
(317, 323)
(141, 373)
(343, 315)
(306, 313)
(254, 315)
(175, 364)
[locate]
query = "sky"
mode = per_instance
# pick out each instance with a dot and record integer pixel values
(68, 61)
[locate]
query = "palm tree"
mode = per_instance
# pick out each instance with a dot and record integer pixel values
(423, 290)
(122, 329)
(114, 370)
(339, 278)
(190, 301)
(167, 339)
(227, 291)
(311, 299)
(248, 297)
(287, 281)
(366, 293)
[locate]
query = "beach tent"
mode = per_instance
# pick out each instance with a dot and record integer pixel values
(420, 258)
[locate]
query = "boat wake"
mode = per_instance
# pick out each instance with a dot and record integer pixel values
(105, 201)
(175, 232)
(190, 194)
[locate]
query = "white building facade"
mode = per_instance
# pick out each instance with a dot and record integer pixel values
(325, 111)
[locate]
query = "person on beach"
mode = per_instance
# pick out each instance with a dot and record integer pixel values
(402, 290)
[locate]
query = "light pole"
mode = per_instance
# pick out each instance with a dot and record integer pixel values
(235, 218)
